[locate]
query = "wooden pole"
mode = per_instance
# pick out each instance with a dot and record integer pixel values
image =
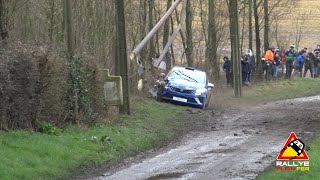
(172, 37)
(139, 47)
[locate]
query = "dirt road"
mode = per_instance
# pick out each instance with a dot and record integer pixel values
(234, 144)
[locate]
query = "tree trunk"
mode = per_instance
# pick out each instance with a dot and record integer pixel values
(115, 45)
(181, 32)
(258, 43)
(3, 31)
(250, 25)
(121, 39)
(70, 46)
(166, 32)
(235, 54)
(51, 19)
(242, 30)
(1, 21)
(211, 50)
(266, 25)
(69, 30)
(189, 45)
(143, 20)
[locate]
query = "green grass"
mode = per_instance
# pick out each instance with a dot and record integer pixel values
(274, 90)
(29, 155)
(314, 156)
(284, 89)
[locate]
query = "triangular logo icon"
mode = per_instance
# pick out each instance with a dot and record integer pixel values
(293, 149)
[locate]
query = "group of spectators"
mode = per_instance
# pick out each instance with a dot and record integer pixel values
(302, 61)
(247, 67)
(275, 59)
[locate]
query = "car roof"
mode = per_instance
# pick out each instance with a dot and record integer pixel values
(187, 68)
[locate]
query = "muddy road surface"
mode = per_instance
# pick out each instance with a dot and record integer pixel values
(233, 144)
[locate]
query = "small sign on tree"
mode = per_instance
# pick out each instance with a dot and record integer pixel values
(113, 89)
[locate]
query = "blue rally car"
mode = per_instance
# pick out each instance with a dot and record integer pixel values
(186, 85)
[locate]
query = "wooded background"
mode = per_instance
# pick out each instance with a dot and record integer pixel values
(52, 51)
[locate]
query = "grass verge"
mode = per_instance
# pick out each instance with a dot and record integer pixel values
(314, 156)
(30, 155)
(274, 90)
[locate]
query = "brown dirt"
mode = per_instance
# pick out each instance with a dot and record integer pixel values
(224, 142)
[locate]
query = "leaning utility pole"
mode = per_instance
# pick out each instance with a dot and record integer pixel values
(135, 53)
(122, 56)
(235, 53)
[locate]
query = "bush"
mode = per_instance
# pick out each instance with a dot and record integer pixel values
(36, 85)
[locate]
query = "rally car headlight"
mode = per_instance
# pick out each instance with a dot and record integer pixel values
(200, 91)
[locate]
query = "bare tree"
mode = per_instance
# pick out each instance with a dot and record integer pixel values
(211, 49)
(235, 53)
(166, 32)
(189, 45)
(299, 25)
(266, 25)
(122, 56)
(3, 31)
(258, 42)
(250, 25)
(1, 25)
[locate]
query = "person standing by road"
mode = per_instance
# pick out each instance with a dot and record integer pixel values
(269, 58)
(309, 64)
(245, 67)
(276, 64)
(299, 63)
(283, 60)
(290, 57)
(251, 65)
(227, 69)
(316, 64)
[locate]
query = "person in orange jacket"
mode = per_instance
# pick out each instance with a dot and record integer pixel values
(269, 58)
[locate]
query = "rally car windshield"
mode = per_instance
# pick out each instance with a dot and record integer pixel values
(189, 75)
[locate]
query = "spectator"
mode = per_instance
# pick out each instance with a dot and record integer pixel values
(299, 63)
(245, 69)
(251, 64)
(316, 64)
(269, 58)
(303, 51)
(276, 64)
(227, 69)
(283, 60)
(290, 57)
(309, 64)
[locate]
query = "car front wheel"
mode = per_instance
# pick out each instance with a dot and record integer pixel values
(159, 93)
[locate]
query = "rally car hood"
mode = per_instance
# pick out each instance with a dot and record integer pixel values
(185, 84)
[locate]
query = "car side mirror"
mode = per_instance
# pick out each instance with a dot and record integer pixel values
(210, 85)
